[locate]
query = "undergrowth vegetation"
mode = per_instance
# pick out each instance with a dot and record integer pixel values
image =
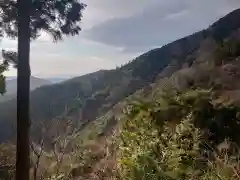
(189, 132)
(180, 136)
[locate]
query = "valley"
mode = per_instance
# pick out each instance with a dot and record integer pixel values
(113, 124)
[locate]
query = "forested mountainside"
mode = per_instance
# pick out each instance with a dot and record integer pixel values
(87, 97)
(133, 122)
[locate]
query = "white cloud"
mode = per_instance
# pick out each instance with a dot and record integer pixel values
(116, 31)
(159, 23)
(44, 37)
(99, 11)
(8, 44)
(61, 66)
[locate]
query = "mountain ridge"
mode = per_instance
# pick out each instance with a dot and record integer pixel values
(83, 99)
(51, 79)
(11, 87)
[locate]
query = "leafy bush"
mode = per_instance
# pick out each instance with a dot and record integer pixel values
(176, 137)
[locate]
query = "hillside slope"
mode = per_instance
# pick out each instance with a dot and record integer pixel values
(85, 98)
(205, 63)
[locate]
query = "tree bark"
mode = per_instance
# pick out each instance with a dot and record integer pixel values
(23, 82)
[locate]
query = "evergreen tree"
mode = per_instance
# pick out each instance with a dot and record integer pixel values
(26, 19)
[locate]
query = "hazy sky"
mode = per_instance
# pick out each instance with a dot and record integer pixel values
(116, 31)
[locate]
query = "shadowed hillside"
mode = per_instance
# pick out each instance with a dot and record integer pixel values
(171, 113)
(84, 98)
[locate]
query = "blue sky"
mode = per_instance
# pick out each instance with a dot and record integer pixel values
(116, 31)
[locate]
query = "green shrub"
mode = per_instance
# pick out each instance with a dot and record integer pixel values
(174, 137)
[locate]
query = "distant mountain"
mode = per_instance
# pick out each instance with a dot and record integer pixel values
(57, 80)
(8, 78)
(11, 86)
(51, 79)
(85, 98)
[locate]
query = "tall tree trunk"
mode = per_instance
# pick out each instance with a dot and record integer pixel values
(23, 86)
